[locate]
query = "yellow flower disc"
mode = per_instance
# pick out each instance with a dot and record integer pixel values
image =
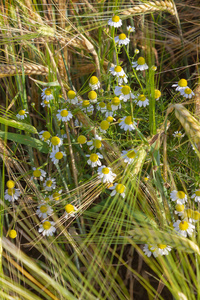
(59, 155)
(55, 140)
(157, 94)
(182, 83)
(46, 225)
(43, 208)
(109, 119)
(108, 106)
(179, 207)
(10, 184)
(21, 112)
(46, 102)
(92, 95)
(49, 183)
(120, 188)
(56, 196)
(183, 225)
(197, 193)
(69, 208)
(196, 215)
(115, 19)
(126, 90)
(37, 173)
(46, 135)
(81, 139)
(122, 36)
(115, 101)
(188, 91)
(128, 120)
(93, 80)
(162, 246)
(131, 154)
(12, 234)
(142, 98)
(85, 103)
(64, 113)
(62, 131)
(141, 61)
(104, 125)
(97, 144)
(105, 170)
(180, 195)
(11, 192)
(102, 104)
(71, 94)
(47, 92)
(118, 69)
(94, 157)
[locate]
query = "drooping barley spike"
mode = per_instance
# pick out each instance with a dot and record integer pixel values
(29, 69)
(151, 6)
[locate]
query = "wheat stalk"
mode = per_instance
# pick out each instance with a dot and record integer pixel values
(28, 69)
(151, 6)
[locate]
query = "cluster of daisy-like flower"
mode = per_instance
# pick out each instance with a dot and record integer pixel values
(182, 87)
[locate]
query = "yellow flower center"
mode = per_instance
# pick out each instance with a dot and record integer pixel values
(46, 225)
(196, 215)
(179, 134)
(85, 103)
(105, 170)
(47, 92)
(109, 119)
(141, 61)
(36, 173)
(104, 125)
(62, 131)
(131, 154)
(49, 183)
(59, 155)
(71, 94)
(92, 95)
(81, 139)
(179, 207)
(118, 69)
(102, 104)
(93, 80)
(180, 195)
(43, 208)
(126, 90)
(162, 246)
(146, 178)
(64, 113)
(197, 192)
(94, 157)
(157, 94)
(188, 91)
(55, 140)
(10, 184)
(11, 192)
(115, 19)
(46, 102)
(69, 208)
(115, 101)
(128, 120)
(142, 98)
(46, 135)
(183, 225)
(182, 83)
(12, 234)
(56, 196)
(21, 112)
(97, 144)
(122, 36)
(109, 107)
(120, 188)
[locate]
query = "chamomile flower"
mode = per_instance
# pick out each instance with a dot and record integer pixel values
(56, 195)
(110, 119)
(86, 106)
(56, 155)
(124, 92)
(136, 51)
(142, 100)
(70, 211)
(45, 103)
(81, 139)
(178, 134)
(130, 29)
(153, 68)
(95, 143)
(22, 114)
(122, 39)
(196, 196)
(157, 94)
(105, 174)
(63, 134)
(118, 188)
(127, 123)
(195, 217)
(104, 125)
(45, 136)
(140, 64)
(181, 85)
(117, 71)
(101, 106)
(187, 93)
(122, 79)
(146, 178)
(71, 97)
(64, 115)
(94, 83)
(12, 233)
(49, 184)
(47, 228)
(179, 196)
(148, 250)
(44, 210)
(12, 194)
(161, 249)
(115, 103)
(92, 96)
(129, 156)
(184, 228)
(115, 22)
(109, 111)
(47, 94)
(38, 174)
(56, 142)
(94, 159)
(179, 210)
